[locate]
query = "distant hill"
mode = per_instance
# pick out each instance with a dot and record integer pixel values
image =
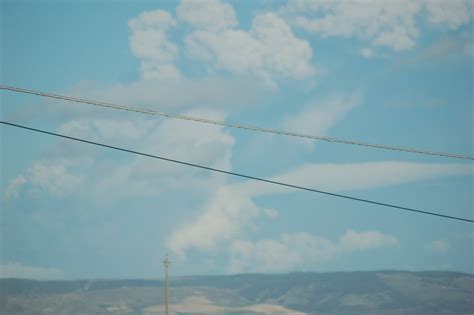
(375, 292)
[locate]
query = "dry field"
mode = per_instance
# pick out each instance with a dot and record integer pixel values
(201, 305)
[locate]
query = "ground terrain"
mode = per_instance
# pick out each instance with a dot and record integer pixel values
(382, 292)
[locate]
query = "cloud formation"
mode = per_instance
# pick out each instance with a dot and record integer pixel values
(438, 246)
(300, 250)
(18, 270)
(55, 177)
(208, 145)
(233, 209)
(13, 188)
(222, 219)
(269, 50)
(149, 42)
(392, 24)
(204, 144)
(453, 14)
(211, 15)
(317, 118)
(358, 176)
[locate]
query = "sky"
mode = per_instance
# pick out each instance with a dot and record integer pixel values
(390, 72)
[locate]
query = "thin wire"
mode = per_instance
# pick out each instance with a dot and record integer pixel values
(235, 125)
(239, 174)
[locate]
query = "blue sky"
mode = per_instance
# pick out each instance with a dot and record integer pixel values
(398, 73)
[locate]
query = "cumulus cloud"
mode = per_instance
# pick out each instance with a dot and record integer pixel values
(211, 15)
(300, 250)
(438, 246)
(13, 187)
(382, 23)
(233, 209)
(222, 219)
(388, 23)
(202, 144)
(55, 177)
(354, 241)
(453, 14)
(149, 42)
(269, 49)
(18, 270)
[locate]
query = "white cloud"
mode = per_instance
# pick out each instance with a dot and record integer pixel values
(300, 250)
(448, 46)
(367, 53)
(213, 92)
(269, 49)
(382, 23)
(222, 219)
(211, 15)
(438, 246)
(386, 23)
(317, 117)
(232, 209)
(132, 176)
(357, 176)
(149, 42)
(54, 177)
(453, 13)
(218, 93)
(17, 270)
(353, 241)
(106, 129)
(203, 144)
(398, 39)
(13, 187)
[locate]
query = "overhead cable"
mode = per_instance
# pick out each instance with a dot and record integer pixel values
(235, 125)
(269, 181)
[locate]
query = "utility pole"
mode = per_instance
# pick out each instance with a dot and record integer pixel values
(166, 264)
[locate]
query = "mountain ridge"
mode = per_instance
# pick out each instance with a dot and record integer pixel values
(347, 292)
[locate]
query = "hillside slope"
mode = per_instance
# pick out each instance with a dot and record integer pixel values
(384, 292)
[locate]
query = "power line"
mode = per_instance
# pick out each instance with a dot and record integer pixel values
(239, 174)
(235, 125)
